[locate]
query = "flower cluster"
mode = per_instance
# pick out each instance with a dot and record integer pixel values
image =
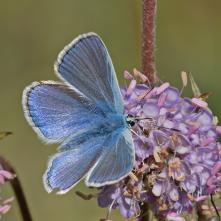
(177, 152)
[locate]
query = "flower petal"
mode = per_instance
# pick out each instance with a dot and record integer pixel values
(218, 129)
(157, 189)
(6, 174)
(174, 217)
(162, 88)
(131, 87)
(174, 195)
(205, 118)
(151, 110)
(172, 96)
(128, 76)
(199, 102)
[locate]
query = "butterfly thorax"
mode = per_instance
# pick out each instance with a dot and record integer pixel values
(113, 122)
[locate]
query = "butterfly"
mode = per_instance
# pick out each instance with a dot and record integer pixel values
(85, 114)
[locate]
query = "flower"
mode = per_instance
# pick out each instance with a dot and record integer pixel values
(5, 203)
(177, 152)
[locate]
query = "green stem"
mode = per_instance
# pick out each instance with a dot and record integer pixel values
(144, 216)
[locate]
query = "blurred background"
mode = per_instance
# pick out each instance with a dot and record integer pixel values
(33, 32)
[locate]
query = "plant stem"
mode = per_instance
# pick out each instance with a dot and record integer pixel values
(144, 216)
(148, 64)
(17, 188)
(148, 39)
(201, 215)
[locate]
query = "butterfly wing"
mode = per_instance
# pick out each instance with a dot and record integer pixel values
(67, 168)
(73, 113)
(103, 159)
(55, 111)
(115, 162)
(86, 65)
(59, 113)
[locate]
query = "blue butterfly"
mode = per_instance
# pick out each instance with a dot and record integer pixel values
(85, 114)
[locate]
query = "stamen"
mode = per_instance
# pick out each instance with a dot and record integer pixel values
(156, 154)
(144, 94)
(136, 134)
(133, 176)
(138, 74)
(109, 210)
(184, 80)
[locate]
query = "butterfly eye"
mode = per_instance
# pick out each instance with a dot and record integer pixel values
(130, 120)
(130, 116)
(131, 123)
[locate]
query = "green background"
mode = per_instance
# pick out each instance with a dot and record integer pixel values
(33, 32)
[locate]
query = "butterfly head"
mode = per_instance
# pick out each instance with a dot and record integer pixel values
(131, 120)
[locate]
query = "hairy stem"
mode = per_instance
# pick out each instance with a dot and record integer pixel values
(17, 188)
(148, 64)
(148, 39)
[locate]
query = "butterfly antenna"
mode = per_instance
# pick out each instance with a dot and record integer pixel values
(143, 118)
(152, 126)
(166, 128)
(152, 120)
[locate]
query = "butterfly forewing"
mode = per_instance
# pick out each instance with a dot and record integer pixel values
(55, 111)
(86, 65)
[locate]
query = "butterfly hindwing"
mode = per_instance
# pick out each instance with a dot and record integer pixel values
(102, 159)
(67, 168)
(116, 160)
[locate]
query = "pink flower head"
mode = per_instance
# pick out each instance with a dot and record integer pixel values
(5, 204)
(177, 144)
